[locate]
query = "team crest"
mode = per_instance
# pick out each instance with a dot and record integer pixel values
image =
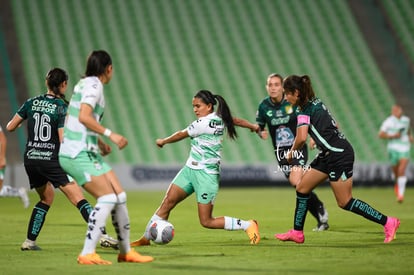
(289, 109)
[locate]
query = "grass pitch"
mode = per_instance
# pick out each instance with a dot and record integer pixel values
(351, 245)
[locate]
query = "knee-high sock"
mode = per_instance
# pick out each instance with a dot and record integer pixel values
(84, 208)
(120, 221)
(315, 206)
(402, 182)
(300, 210)
(97, 221)
(364, 209)
(37, 219)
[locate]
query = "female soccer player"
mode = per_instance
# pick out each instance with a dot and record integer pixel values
(396, 130)
(280, 117)
(335, 161)
(80, 156)
(45, 115)
(201, 173)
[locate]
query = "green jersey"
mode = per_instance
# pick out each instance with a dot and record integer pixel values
(322, 126)
(45, 114)
(280, 119)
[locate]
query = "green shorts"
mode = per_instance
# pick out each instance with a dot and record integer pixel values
(83, 166)
(204, 185)
(395, 156)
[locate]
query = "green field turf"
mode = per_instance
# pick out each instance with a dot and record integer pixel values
(352, 245)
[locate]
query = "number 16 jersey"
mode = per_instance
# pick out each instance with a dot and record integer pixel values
(45, 114)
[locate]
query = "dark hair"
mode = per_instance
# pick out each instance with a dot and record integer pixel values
(303, 85)
(54, 78)
(97, 63)
(223, 110)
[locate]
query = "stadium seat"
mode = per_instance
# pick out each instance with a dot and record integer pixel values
(164, 51)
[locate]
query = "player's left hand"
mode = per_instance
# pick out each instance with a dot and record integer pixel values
(119, 140)
(105, 149)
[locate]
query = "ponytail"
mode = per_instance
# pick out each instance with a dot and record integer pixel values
(223, 110)
(307, 87)
(54, 78)
(303, 85)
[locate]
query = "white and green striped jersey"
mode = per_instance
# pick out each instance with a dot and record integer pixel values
(393, 125)
(77, 137)
(206, 143)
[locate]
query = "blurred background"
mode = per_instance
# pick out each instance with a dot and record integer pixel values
(358, 53)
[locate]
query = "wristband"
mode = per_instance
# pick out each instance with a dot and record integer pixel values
(107, 132)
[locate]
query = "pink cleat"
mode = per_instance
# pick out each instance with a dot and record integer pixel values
(292, 235)
(390, 229)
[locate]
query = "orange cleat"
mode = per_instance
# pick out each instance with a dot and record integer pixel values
(253, 232)
(134, 257)
(92, 258)
(141, 242)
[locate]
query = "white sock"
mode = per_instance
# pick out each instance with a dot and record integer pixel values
(97, 222)
(8, 191)
(120, 220)
(402, 182)
(154, 217)
(235, 224)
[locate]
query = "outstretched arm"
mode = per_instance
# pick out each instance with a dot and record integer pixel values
(246, 124)
(253, 127)
(177, 136)
(14, 123)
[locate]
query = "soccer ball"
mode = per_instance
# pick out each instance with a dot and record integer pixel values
(161, 231)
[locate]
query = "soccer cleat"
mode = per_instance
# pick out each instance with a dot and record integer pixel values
(322, 215)
(134, 257)
(29, 245)
(107, 241)
(24, 197)
(253, 232)
(292, 235)
(141, 242)
(92, 258)
(321, 227)
(322, 219)
(390, 229)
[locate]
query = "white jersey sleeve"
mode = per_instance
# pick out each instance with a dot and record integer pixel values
(77, 137)
(206, 143)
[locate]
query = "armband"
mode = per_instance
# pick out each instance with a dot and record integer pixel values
(107, 132)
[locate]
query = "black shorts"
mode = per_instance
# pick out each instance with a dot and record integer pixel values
(337, 165)
(300, 158)
(39, 175)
